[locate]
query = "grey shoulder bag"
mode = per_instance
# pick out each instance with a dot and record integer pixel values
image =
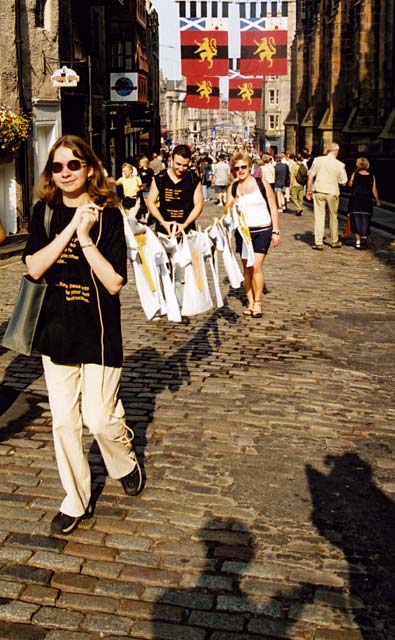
(20, 333)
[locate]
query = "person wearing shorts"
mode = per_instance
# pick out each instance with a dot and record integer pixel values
(257, 201)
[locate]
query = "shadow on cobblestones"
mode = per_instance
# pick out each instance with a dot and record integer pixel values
(218, 601)
(17, 408)
(146, 373)
(358, 518)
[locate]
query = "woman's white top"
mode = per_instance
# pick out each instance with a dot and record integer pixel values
(255, 209)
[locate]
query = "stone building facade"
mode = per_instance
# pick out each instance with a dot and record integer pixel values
(28, 51)
(343, 83)
(102, 41)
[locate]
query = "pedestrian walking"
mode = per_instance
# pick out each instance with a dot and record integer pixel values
(131, 185)
(146, 174)
(221, 178)
(268, 169)
(180, 194)
(206, 174)
(156, 163)
(298, 173)
(84, 263)
(281, 182)
(324, 178)
(360, 207)
(175, 200)
(257, 202)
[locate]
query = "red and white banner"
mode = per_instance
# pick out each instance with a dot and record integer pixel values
(245, 94)
(264, 43)
(204, 49)
(202, 92)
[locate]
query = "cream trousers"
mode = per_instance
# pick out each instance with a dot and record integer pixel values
(321, 202)
(86, 394)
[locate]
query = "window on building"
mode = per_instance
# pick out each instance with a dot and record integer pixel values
(273, 122)
(274, 95)
(39, 11)
(121, 47)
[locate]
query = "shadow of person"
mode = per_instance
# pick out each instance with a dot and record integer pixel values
(18, 407)
(357, 517)
(307, 237)
(217, 602)
(146, 373)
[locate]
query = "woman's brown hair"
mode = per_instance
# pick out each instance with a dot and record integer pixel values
(97, 185)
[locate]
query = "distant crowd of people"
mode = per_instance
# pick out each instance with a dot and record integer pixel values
(295, 177)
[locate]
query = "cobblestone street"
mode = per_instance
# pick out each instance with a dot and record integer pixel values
(269, 453)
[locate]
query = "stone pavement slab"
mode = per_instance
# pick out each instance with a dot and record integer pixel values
(268, 448)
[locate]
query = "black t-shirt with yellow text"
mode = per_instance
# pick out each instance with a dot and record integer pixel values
(76, 302)
(176, 198)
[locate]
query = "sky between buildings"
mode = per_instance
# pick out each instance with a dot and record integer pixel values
(169, 37)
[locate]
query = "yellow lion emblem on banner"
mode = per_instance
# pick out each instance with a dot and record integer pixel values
(246, 92)
(207, 49)
(205, 89)
(266, 49)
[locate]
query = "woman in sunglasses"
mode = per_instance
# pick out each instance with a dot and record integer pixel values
(83, 260)
(256, 200)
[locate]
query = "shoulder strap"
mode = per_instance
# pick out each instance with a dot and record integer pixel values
(234, 188)
(47, 218)
(263, 191)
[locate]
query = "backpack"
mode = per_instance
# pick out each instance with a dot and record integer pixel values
(301, 174)
(261, 189)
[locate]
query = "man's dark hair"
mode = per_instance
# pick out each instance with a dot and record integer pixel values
(182, 150)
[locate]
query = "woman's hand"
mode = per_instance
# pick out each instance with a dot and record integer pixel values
(86, 216)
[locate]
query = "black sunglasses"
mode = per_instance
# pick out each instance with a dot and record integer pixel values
(72, 165)
(241, 167)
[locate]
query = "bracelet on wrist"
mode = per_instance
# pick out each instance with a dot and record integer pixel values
(275, 233)
(88, 244)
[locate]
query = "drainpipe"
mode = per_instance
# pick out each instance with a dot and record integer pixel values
(22, 158)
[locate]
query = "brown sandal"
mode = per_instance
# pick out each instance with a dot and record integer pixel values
(247, 311)
(257, 310)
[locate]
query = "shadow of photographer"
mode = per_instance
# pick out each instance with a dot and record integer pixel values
(352, 513)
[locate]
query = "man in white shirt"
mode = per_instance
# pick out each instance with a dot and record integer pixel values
(324, 178)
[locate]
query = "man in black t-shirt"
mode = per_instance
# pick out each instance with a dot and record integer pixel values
(176, 196)
(175, 200)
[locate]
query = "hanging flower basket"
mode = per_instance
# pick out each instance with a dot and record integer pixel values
(15, 128)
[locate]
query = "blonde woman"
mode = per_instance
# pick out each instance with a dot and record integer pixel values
(131, 185)
(360, 207)
(256, 200)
